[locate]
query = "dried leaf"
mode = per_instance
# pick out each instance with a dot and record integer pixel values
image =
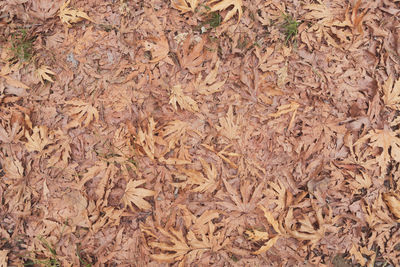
(136, 195)
(209, 84)
(393, 202)
(229, 127)
(69, 15)
(43, 73)
(391, 93)
(82, 113)
(185, 102)
(185, 5)
(38, 140)
(224, 4)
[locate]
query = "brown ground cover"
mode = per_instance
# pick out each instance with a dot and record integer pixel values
(195, 133)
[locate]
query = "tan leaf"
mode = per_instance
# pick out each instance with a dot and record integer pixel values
(391, 93)
(270, 243)
(224, 4)
(174, 132)
(146, 139)
(38, 140)
(3, 258)
(43, 73)
(185, 102)
(13, 169)
(393, 202)
(82, 113)
(255, 235)
(185, 5)
(385, 139)
(192, 59)
(136, 195)
(229, 127)
(177, 245)
(209, 84)
(69, 15)
(158, 47)
(60, 150)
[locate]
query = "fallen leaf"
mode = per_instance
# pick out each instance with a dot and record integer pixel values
(224, 4)
(136, 195)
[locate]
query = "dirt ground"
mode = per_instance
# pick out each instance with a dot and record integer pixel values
(195, 133)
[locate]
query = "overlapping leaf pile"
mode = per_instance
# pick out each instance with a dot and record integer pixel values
(195, 133)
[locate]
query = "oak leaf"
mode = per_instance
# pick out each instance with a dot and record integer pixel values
(224, 4)
(134, 194)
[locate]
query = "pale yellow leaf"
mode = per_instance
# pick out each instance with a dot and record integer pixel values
(225, 4)
(43, 73)
(185, 5)
(134, 194)
(69, 15)
(81, 113)
(38, 140)
(229, 127)
(391, 93)
(185, 102)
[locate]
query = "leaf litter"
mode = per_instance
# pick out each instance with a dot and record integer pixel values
(168, 143)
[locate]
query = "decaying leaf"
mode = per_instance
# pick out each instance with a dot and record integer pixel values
(69, 15)
(224, 4)
(185, 102)
(134, 194)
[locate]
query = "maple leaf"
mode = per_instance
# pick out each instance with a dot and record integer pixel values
(224, 4)
(136, 195)
(5, 73)
(385, 139)
(146, 139)
(228, 127)
(194, 178)
(192, 60)
(43, 73)
(38, 140)
(209, 85)
(185, 5)
(391, 93)
(174, 132)
(69, 15)
(13, 170)
(60, 150)
(158, 47)
(83, 113)
(248, 198)
(202, 235)
(185, 102)
(393, 202)
(9, 134)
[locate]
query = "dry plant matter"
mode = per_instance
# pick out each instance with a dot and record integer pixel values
(200, 133)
